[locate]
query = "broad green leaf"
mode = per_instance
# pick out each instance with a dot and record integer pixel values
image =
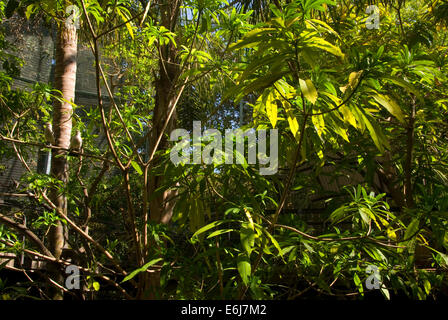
(348, 116)
(376, 137)
(293, 124)
(247, 237)
(364, 215)
(336, 125)
(274, 242)
(244, 268)
(427, 286)
(411, 229)
(308, 90)
(338, 214)
(249, 218)
(128, 24)
(358, 283)
(444, 258)
(271, 110)
(390, 105)
(319, 124)
(252, 38)
(136, 167)
(245, 88)
(404, 84)
(325, 45)
(325, 26)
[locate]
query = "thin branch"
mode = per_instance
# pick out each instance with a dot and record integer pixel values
(42, 145)
(25, 231)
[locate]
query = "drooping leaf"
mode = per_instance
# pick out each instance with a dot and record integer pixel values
(292, 120)
(247, 237)
(271, 109)
(219, 232)
(142, 269)
(390, 105)
(136, 167)
(308, 90)
(244, 268)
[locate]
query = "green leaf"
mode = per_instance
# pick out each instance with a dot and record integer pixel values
(208, 227)
(247, 237)
(128, 24)
(323, 24)
(358, 283)
(348, 116)
(324, 45)
(136, 167)
(308, 90)
(271, 109)
(376, 136)
(293, 123)
(142, 269)
(364, 215)
(274, 242)
(219, 232)
(390, 105)
(444, 258)
(404, 84)
(427, 286)
(96, 286)
(252, 38)
(319, 124)
(244, 268)
(385, 292)
(411, 229)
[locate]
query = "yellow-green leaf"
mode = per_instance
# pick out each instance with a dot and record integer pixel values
(348, 116)
(271, 109)
(308, 90)
(244, 268)
(353, 78)
(128, 24)
(390, 105)
(292, 120)
(319, 124)
(136, 167)
(324, 45)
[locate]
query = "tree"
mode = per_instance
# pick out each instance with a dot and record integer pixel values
(361, 182)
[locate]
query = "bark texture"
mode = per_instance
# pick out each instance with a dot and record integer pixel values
(65, 82)
(161, 207)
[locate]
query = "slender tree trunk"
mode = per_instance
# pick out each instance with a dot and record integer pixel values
(408, 162)
(161, 207)
(64, 81)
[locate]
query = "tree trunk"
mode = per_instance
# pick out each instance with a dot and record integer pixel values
(161, 207)
(64, 81)
(407, 191)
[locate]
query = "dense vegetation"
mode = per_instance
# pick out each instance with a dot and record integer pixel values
(358, 102)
